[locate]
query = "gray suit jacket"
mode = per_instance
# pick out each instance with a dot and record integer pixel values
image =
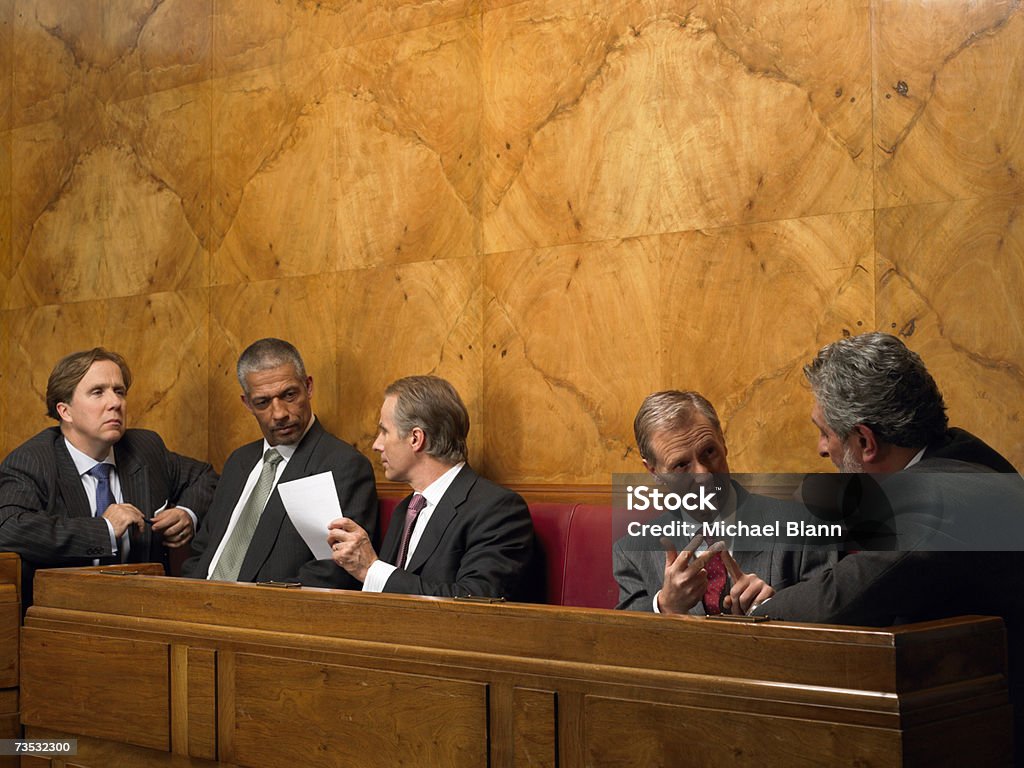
(277, 552)
(640, 565)
(45, 515)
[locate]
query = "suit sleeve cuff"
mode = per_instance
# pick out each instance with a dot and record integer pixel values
(377, 576)
(656, 608)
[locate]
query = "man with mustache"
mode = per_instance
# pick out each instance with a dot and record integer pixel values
(879, 411)
(90, 491)
(247, 535)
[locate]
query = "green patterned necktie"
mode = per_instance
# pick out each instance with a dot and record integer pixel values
(231, 558)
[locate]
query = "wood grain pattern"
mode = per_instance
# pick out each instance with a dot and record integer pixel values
(130, 677)
(630, 121)
(793, 285)
(193, 701)
(555, 634)
(552, 676)
(279, 33)
(950, 277)
(750, 738)
(100, 753)
(435, 308)
(619, 195)
(163, 336)
(202, 703)
(10, 625)
(349, 130)
(945, 127)
(389, 719)
(6, 64)
(295, 309)
(570, 351)
(535, 727)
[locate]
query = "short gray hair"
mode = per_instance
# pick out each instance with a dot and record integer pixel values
(268, 353)
(670, 409)
(874, 379)
(433, 405)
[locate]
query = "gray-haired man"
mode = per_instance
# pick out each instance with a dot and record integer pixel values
(247, 535)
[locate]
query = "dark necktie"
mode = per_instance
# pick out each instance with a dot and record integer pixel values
(104, 496)
(416, 505)
(716, 585)
(230, 562)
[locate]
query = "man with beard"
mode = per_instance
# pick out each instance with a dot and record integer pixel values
(878, 411)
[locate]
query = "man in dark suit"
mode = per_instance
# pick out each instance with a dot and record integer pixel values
(247, 535)
(680, 439)
(458, 535)
(90, 491)
(879, 411)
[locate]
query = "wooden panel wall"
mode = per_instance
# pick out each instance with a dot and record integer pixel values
(560, 206)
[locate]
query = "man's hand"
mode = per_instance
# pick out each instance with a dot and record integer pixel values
(748, 589)
(176, 526)
(350, 547)
(123, 517)
(685, 581)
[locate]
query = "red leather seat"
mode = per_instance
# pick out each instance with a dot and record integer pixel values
(588, 580)
(387, 509)
(551, 526)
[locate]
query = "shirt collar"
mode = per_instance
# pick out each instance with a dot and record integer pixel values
(84, 462)
(433, 492)
(917, 458)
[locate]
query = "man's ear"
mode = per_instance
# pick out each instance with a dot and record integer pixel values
(648, 467)
(245, 401)
(417, 439)
(867, 442)
(63, 411)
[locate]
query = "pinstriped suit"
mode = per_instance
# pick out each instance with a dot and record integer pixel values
(44, 511)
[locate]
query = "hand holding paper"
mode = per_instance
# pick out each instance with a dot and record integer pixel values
(312, 503)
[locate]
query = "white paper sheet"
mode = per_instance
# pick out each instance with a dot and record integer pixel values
(312, 503)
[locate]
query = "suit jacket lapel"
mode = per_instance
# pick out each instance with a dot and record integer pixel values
(442, 517)
(76, 503)
(134, 481)
(274, 513)
(393, 536)
(229, 489)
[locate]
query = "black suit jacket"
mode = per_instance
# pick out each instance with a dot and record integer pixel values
(479, 541)
(277, 552)
(45, 514)
(883, 588)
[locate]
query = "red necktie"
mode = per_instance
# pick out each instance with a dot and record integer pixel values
(716, 585)
(416, 505)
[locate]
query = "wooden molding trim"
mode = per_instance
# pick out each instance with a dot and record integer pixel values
(562, 493)
(566, 493)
